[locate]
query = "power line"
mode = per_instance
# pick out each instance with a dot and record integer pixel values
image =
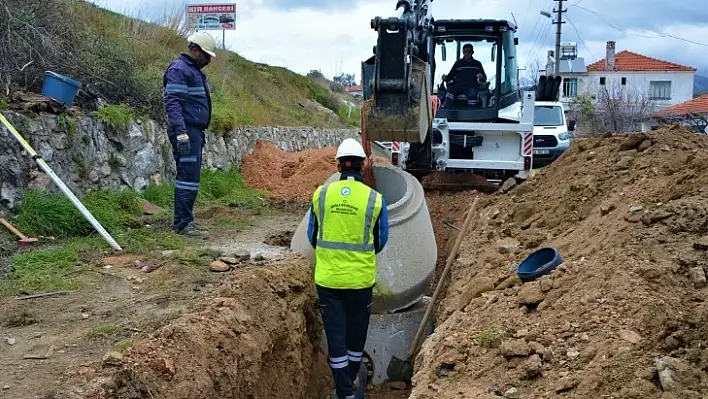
(539, 40)
(580, 38)
(661, 35)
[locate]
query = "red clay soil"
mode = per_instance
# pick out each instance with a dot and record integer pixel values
(624, 316)
(258, 338)
(289, 176)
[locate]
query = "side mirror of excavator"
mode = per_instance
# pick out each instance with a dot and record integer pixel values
(444, 53)
(494, 51)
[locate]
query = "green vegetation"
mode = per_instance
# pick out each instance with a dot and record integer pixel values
(53, 215)
(123, 345)
(124, 59)
(103, 330)
(489, 339)
(116, 116)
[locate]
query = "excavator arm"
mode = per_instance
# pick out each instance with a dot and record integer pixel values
(396, 80)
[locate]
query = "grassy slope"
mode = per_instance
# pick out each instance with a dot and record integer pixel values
(124, 59)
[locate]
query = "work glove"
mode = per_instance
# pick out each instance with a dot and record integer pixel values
(183, 148)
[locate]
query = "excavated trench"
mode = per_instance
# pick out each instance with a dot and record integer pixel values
(260, 335)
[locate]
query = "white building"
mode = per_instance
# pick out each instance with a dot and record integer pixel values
(664, 83)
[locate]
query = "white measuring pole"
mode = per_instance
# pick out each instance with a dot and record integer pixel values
(43, 165)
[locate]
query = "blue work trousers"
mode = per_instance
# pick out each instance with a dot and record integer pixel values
(345, 315)
(188, 172)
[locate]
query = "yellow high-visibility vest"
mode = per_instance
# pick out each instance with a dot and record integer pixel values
(346, 212)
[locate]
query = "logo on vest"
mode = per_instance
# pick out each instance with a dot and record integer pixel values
(346, 191)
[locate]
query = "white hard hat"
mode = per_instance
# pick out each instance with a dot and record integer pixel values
(350, 148)
(204, 41)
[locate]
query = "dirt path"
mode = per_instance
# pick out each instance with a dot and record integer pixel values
(46, 342)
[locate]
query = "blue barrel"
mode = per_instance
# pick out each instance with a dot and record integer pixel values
(60, 88)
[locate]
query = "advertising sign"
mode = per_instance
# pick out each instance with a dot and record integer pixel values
(212, 16)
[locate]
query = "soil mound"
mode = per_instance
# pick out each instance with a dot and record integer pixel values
(259, 337)
(289, 176)
(625, 315)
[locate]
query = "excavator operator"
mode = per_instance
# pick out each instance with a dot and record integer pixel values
(468, 74)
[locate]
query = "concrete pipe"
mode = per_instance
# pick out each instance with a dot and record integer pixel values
(406, 266)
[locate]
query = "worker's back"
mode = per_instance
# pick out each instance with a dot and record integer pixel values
(346, 212)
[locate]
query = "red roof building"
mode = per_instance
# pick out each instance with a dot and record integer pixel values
(697, 106)
(627, 61)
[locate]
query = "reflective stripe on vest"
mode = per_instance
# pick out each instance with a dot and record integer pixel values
(368, 220)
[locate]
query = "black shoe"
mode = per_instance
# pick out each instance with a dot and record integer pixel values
(190, 231)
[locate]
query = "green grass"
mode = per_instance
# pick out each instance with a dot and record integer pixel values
(103, 330)
(123, 345)
(116, 116)
(41, 270)
(54, 214)
(57, 267)
(489, 339)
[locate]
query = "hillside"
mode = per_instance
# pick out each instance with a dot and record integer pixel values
(123, 60)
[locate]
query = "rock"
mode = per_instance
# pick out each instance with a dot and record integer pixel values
(572, 353)
(566, 384)
(398, 385)
(635, 209)
(630, 336)
(259, 257)
(474, 289)
(656, 215)
(521, 333)
(675, 375)
(702, 244)
(665, 148)
(644, 145)
(112, 359)
(698, 276)
(219, 266)
(149, 208)
(6, 387)
(625, 163)
(230, 260)
(241, 255)
(605, 209)
(514, 348)
(532, 367)
(508, 246)
(512, 393)
(633, 142)
(531, 294)
(509, 282)
(508, 185)
(11, 341)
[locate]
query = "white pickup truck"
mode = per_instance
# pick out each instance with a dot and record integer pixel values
(551, 134)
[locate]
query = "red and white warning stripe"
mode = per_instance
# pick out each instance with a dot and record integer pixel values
(395, 146)
(528, 144)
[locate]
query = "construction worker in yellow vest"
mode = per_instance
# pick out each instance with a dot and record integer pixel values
(348, 227)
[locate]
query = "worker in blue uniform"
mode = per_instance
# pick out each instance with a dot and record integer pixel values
(188, 106)
(348, 226)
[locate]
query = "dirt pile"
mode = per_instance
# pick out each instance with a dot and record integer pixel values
(625, 315)
(289, 176)
(259, 337)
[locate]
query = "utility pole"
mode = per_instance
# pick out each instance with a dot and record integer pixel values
(559, 21)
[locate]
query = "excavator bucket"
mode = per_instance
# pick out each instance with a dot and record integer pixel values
(397, 87)
(397, 116)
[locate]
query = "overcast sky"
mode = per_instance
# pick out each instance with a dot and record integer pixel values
(335, 36)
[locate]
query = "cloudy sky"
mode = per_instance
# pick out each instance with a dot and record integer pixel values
(335, 36)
